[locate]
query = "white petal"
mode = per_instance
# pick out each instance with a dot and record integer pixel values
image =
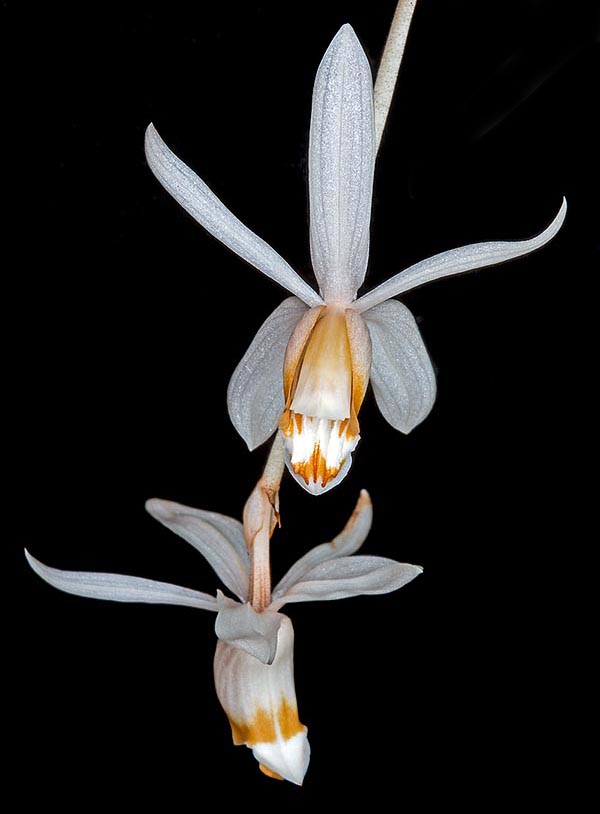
(352, 576)
(243, 627)
(401, 373)
(457, 261)
(203, 205)
(346, 543)
(120, 588)
(255, 393)
(260, 702)
(218, 538)
(341, 159)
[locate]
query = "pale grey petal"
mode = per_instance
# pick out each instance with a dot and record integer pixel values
(203, 205)
(351, 576)
(346, 543)
(244, 628)
(218, 538)
(401, 373)
(457, 261)
(120, 588)
(255, 393)
(340, 167)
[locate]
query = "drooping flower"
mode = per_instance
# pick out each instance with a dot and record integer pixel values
(326, 346)
(253, 666)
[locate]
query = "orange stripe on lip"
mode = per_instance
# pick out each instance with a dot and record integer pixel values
(287, 718)
(263, 727)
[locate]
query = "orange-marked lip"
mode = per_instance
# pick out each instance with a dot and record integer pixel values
(316, 468)
(318, 447)
(326, 372)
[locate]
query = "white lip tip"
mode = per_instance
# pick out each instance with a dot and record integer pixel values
(289, 758)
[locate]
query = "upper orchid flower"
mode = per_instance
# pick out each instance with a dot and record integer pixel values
(254, 671)
(326, 346)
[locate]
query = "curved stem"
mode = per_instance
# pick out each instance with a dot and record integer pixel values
(390, 64)
(261, 515)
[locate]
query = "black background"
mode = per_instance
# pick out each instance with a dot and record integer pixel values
(460, 683)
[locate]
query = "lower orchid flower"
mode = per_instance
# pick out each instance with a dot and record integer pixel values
(254, 662)
(307, 369)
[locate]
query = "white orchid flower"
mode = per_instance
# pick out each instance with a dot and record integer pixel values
(326, 346)
(253, 667)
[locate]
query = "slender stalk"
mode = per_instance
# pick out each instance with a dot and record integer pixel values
(261, 515)
(273, 471)
(390, 64)
(260, 573)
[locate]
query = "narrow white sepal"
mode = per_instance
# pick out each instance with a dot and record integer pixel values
(255, 393)
(351, 576)
(120, 588)
(244, 628)
(218, 538)
(457, 261)
(202, 204)
(402, 375)
(341, 161)
(346, 543)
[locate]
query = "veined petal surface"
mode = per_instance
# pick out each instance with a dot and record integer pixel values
(402, 376)
(351, 576)
(202, 204)
(255, 397)
(120, 588)
(341, 161)
(346, 543)
(457, 261)
(218, 538)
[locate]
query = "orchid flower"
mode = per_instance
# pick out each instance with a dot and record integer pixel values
(309, 365)
(253, 666)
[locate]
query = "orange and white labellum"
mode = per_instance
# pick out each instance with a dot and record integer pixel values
(260, 703)
(326, 373)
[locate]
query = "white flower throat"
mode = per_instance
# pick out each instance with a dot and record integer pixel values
(319, 424)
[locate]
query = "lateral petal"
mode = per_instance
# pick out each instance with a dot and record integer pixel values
(341, 161)
(401, 372)
(255, 397)
(120, 588)
(457, 261)
(346, 543)
(202, 204)
(351, 576)
(218, 538)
